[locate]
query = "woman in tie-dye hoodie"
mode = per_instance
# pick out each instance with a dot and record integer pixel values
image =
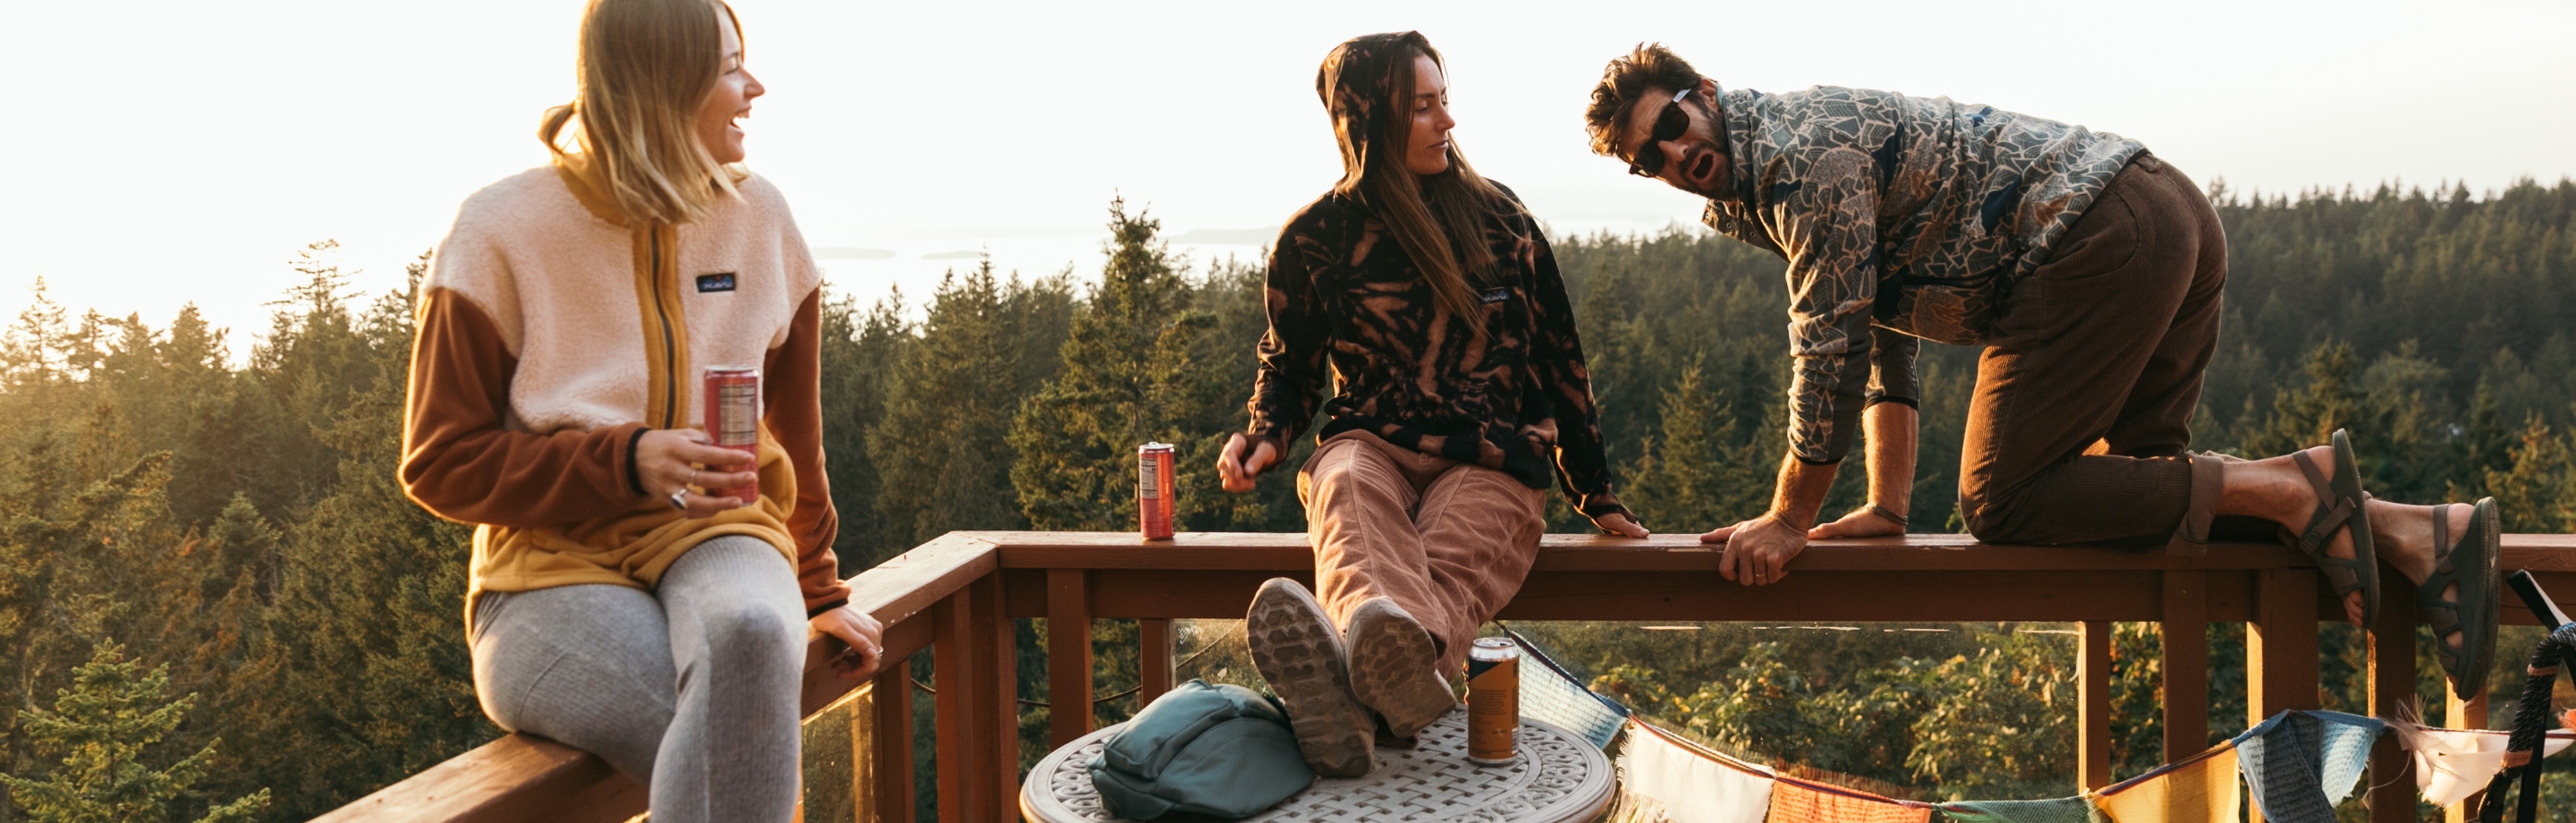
(1426, 298)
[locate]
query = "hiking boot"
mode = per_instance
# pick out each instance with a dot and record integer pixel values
(1395, 667)
(1299, 653)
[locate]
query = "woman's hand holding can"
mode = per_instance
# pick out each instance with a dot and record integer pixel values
(668, 461)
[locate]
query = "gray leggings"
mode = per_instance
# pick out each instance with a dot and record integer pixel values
(690, 689)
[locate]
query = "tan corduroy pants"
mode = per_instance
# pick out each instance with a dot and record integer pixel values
(1448, 541)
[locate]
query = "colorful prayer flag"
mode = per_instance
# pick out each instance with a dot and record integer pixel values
(2299, 764)
(1664, 778)
(2451, 764)
(1798, 801)
(2060, 810)
(2198, 789)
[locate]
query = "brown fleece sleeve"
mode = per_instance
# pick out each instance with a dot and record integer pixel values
(459, 463)
(792, 406)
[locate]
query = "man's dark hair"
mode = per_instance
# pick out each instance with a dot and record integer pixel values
(1650, 66)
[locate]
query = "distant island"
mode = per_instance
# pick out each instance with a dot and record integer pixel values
(853, 254)
(1229, 237)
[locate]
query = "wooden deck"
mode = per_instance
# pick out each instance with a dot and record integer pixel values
(959, 595)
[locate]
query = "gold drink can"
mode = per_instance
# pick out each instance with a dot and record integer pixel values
(1493, 701)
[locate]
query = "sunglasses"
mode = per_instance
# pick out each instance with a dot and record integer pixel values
(1668, 126)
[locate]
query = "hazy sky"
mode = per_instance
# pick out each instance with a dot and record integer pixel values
(182, 151)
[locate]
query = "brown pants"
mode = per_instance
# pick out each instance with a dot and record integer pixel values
(2083, 407)
(1448, 541)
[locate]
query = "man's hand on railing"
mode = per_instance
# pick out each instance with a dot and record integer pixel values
(1866, 521)
(1236, 470)
(1758, 551)
(856, 629)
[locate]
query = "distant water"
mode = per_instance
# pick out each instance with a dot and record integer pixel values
(871, 267)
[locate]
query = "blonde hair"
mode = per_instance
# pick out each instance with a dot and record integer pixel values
(647, 68)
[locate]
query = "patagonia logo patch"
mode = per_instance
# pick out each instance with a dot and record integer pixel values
(719, 281)
(1498, 295)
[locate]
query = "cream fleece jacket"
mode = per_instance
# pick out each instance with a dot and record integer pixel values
(552, 335)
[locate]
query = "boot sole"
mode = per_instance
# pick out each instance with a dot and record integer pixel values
(1299, 654)
(1393, 669)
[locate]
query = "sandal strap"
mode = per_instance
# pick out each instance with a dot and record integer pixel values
(2446, 566)
(2442, 527)
(2328, 519)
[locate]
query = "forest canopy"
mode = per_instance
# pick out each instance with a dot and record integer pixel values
(223, 536)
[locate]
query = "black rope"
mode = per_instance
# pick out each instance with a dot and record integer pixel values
(2531, 722)
(1131, 691)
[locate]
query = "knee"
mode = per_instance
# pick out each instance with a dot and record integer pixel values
(753, 634)
(1989, 516)
(1352, 474)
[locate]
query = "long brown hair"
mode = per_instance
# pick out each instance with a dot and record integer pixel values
(647, 67)
(1367, 85)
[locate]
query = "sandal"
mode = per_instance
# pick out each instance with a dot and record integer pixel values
(2472, 564)
(2339, 503)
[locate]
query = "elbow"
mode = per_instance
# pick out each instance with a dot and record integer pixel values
(433, 487)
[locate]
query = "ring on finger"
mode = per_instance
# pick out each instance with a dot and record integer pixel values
(679, 500)
(693, 477)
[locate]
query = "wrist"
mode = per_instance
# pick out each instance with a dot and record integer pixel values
(1790, 519)
(1893, 514)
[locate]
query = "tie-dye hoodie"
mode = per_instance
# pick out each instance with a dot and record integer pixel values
(1348, 307)
(1898, 216)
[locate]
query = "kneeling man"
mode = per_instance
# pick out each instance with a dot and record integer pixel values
(2090, 272)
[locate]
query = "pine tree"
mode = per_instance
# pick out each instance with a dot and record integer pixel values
(103, 726)
(2303, 419)
(859, 348)
(362, 676)
(944, 445)
(1700, 471)
(1129, 376)
(2538, 494)
(33, 354)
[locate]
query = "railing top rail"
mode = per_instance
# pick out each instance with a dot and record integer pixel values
(1684, 552)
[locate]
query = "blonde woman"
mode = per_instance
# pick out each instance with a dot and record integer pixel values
(617, 603)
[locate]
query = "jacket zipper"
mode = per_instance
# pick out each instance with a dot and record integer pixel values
(670, 352)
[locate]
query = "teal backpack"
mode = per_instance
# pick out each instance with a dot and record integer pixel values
(1215, 750)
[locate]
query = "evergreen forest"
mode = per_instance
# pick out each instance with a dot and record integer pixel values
(216, 604)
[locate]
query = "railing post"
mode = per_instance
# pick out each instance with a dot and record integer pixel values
(2093, 705)
(890, 765)
(2185, 660)
(978, 715)
(1068, 655)
(2392, 685)
(2464, 714)
(998, 697)
(2281, 648)
(962, 783)
(1154, 667)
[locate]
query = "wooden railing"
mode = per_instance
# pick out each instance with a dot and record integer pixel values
(959, 595)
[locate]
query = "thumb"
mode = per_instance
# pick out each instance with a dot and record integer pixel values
(1824, 531)
(1718, 535)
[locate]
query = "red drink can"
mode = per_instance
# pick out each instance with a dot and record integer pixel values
(733, 418)
(1154, 478)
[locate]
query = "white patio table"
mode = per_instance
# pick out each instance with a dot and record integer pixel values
(1559, 778)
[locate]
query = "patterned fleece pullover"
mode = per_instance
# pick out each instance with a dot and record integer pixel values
(1899, 216)
(1348, 308)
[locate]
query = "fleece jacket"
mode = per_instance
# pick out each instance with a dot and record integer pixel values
(552, 335)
